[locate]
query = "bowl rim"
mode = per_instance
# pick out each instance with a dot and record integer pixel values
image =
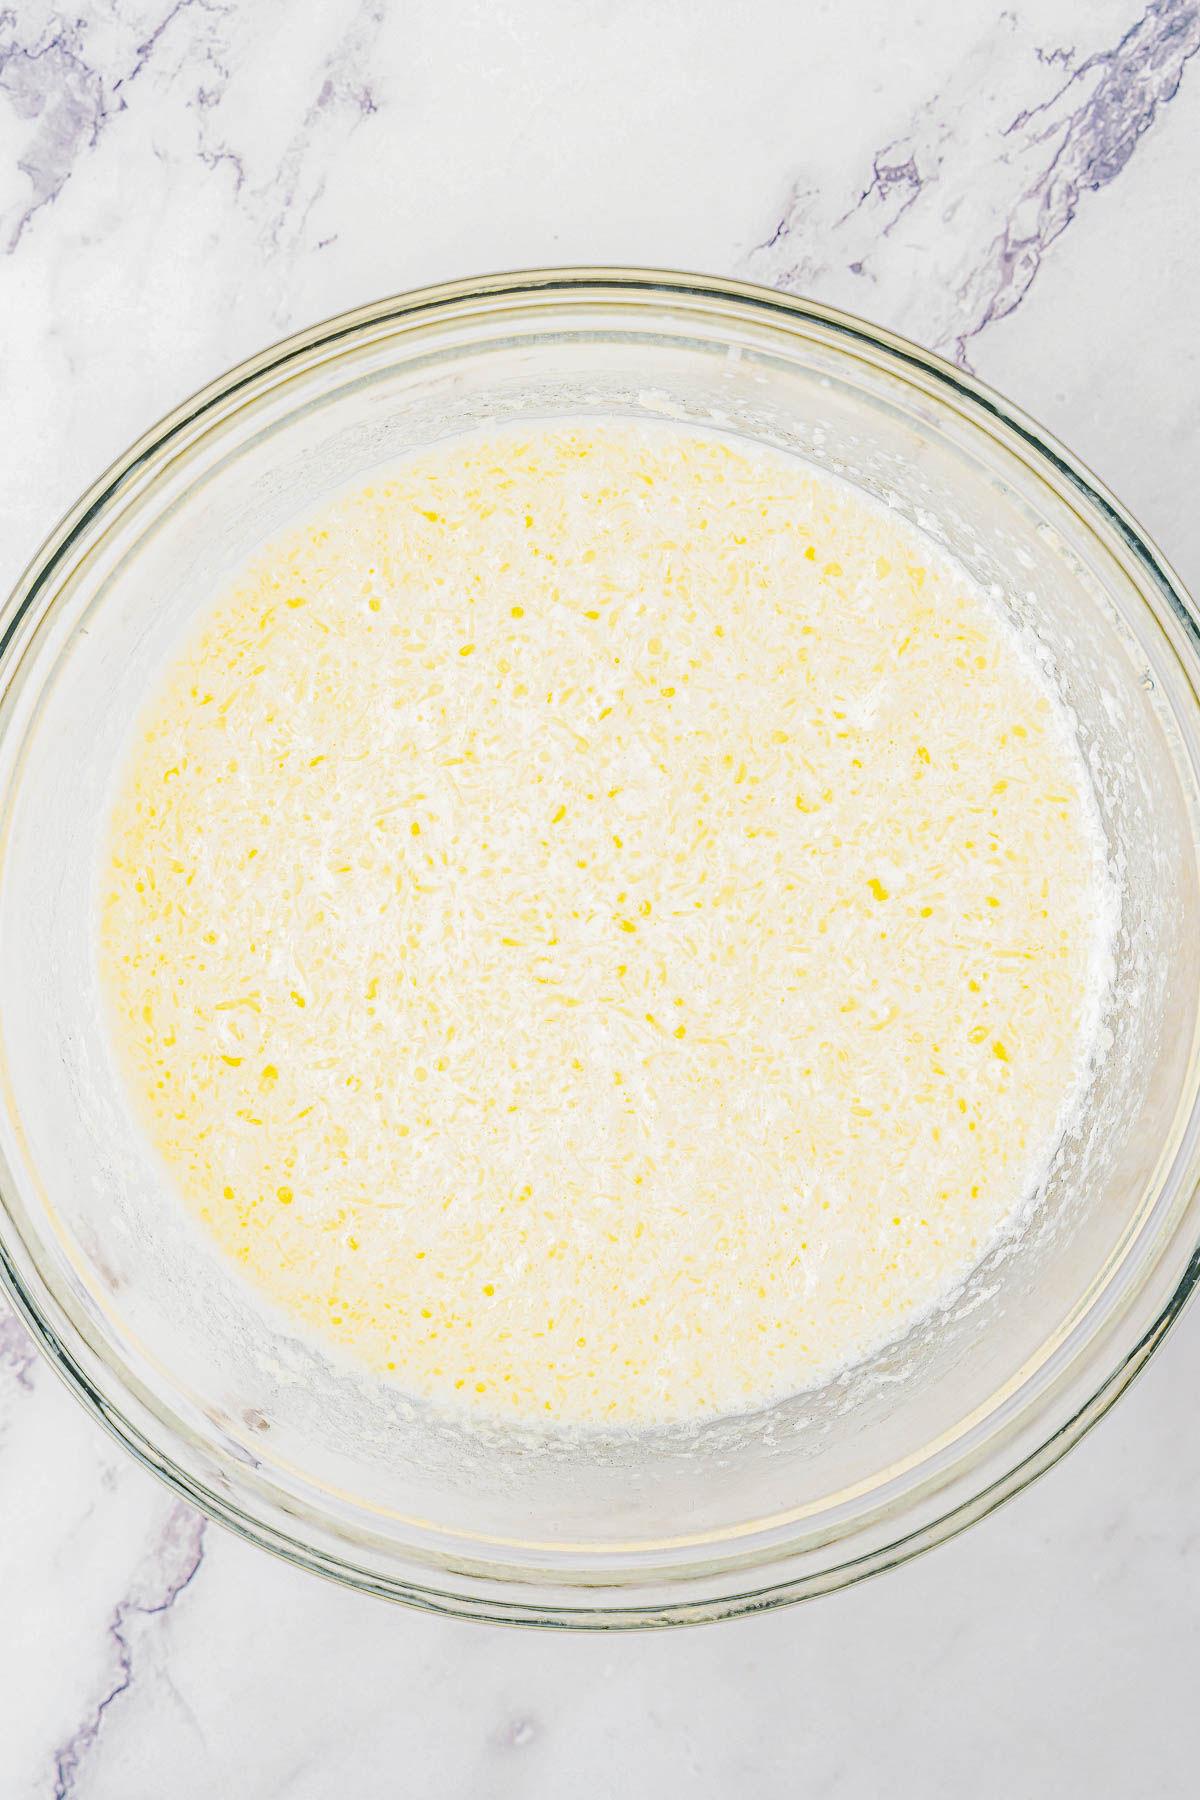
(509, 1601)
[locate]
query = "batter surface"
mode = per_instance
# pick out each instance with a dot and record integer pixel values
(602, 923)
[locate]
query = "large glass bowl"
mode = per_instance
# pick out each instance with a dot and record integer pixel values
(199, 1377)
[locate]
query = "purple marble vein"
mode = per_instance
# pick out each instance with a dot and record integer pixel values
(49, 85)
(65, 82)
(1092, 126)
(344, 101)
(67, 94)
(170, 1566)
(17, 1353)
(947, 233)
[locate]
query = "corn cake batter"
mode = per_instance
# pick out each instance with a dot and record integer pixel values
(603, 924)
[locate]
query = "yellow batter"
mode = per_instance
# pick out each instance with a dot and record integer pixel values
(602, 924)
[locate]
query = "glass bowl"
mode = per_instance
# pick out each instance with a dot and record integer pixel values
(343, 1474)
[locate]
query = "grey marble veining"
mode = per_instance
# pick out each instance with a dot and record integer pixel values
(940, 254)
(17, 1353)
(182, 183)
(166, 1570)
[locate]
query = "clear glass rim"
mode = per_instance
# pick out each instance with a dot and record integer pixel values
(52, 1328)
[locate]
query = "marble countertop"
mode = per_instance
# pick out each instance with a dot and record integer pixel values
(182, 183)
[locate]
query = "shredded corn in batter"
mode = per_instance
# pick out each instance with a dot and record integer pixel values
(603, 924)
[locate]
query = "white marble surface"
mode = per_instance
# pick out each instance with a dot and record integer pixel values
(181, 184)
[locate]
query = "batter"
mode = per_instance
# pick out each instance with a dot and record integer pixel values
(603, 924)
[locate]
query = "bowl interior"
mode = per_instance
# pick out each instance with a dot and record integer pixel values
(220, 1383)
